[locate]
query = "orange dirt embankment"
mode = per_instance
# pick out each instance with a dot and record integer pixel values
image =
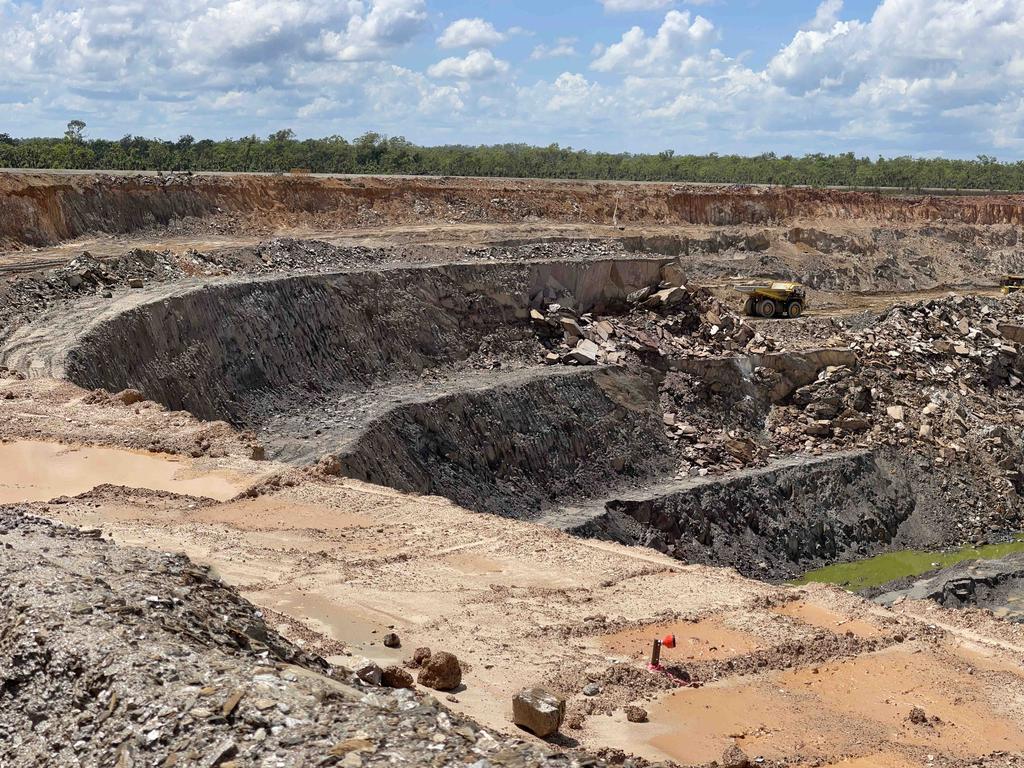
(39, 208)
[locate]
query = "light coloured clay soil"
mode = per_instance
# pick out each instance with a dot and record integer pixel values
(33, 470)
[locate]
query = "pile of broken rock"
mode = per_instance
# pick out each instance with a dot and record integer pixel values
(671, 318)
(127, 657)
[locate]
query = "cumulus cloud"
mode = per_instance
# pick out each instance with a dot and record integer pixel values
(826, 15)
(470, 33)
(919, 46)
(679, 34)
(918, 76)
(479, 64)
(563, 46)
(192, 65)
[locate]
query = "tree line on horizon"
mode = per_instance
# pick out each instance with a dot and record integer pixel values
(373, 153)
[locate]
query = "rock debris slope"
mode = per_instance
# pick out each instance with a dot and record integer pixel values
(112, 656)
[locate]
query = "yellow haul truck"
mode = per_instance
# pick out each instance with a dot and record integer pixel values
(780, 299)
(1011, 283)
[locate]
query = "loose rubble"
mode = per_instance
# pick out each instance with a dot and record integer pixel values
(117, 656)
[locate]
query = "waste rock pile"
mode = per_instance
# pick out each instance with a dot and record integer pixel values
(129, 657)
(670, 319)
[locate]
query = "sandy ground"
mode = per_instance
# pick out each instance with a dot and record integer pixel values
(810, 675)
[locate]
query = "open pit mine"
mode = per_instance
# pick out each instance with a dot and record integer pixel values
(331, 471)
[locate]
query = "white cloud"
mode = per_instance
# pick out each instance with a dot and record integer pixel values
(623, 6)
(563, 46)
(826, 16)
(913, 76)
(479, 64)
(573, 91)
(470, 33)
(679, 34)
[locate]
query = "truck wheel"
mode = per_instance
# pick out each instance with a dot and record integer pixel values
(795, 309)
(749, 308)
(766, 308)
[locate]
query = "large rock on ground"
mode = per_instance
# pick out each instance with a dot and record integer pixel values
(441, 672)
(539, 711)
(395, 677)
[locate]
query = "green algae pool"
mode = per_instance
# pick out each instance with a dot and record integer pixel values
(875, 571)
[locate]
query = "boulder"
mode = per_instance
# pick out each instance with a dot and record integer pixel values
(367, 671)
(441, 672)
(636, 714)
(673, 274)
(391, 640)
(585, 353)
(1013, 332)
(538, 711)
(571, 328)
(396, 677)
(639, 295)
(734, 757)
(667, 297)
(129, 396)
(329, 465)
(420, 657)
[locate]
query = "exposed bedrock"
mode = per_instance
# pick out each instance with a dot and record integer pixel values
(768, 522)
(218, 350)
(38, 208)
(522, 446)
(332, 365)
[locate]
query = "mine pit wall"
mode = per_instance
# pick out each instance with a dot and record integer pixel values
(773, 522)
(213, 349)
(518, 448)
(39, 209)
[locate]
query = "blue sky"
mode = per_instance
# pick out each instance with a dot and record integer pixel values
(920, 77)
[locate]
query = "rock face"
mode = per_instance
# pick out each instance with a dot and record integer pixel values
(539, 711)
(441, 672)
(763, 521)
(553, 434)
(182, 350)
(520, 445)
(42, 209)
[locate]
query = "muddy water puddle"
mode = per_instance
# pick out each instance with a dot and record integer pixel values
(824, 618)
(38, 471)
(361, 633)
(705, 640)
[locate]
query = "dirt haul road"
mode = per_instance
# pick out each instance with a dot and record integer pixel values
(406, 346)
